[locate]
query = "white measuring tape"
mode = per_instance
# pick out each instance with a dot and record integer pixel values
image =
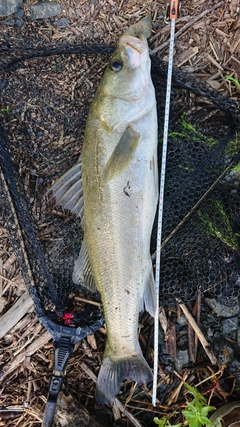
(173, 15)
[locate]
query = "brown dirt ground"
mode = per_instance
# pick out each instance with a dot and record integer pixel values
(43, 101)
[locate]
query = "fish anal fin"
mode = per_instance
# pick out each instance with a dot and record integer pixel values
(82, 272)
(122, 155)
(149, 298)
(114, 371)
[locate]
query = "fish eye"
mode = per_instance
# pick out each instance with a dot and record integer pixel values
(116, 65)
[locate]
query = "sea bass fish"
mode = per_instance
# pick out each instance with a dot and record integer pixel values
(117, 175)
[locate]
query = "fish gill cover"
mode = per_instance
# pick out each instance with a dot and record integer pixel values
(201, 219)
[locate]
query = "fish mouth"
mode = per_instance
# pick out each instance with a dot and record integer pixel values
(135, 49)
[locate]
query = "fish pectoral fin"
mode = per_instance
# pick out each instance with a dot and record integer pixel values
(114, 371)
(67, 190)
(122, 155)
(149, 299)
(82, 272)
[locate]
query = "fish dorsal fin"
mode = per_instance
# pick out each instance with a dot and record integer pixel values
(122, 154)
(68, 192)
(149, 299)
(82, 272)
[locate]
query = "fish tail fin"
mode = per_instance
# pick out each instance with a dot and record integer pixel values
(115, 370)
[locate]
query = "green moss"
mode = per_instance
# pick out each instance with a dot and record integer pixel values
(236, 168)
(233, 147)
(221, 229)
(190, 128)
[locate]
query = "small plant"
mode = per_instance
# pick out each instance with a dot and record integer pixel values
(5, 109)
(196, 414)
(164, 422)
(233, 80)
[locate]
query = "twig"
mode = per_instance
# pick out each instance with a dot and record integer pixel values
(177, 390)
(191, 344)
(15, 313)
(98, 304)
(185, 27)
(192, 337)
(198, 314)
(211, 377)
(163, 320)
(32, 348)
(1, 277)
(128, 415)
(171, 337)
(116, 412)
(116, 401)
(7, 280)
(34, 414)
(199, 333)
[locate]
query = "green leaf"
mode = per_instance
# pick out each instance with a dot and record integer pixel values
(191, 406)
(198, 405)
(235, 81)
(195, 423)
(205, 409)
(192, 390)
(164, 422)
(196, 394)
(205, 420)
(158, 422)
(189, 415)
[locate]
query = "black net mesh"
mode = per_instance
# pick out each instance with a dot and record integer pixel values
(201, 202)
(200, 250)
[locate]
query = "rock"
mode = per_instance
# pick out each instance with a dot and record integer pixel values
(183, 340)
(209, 333)
(19, 22)
(224, 310)
(19, 14)
(234, 368)
(182, 359)
(229, 327)
(238, 337)
(62, 22)
(7, 7)
(90, 34)
(225, 355)
(69, 413)
(3, 83)
(182, 320)
(44, 10)
(9, 21)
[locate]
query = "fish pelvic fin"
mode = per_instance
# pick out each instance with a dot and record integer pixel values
(115, 370)
(67, 190)
(82, 272)
(122, 155)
